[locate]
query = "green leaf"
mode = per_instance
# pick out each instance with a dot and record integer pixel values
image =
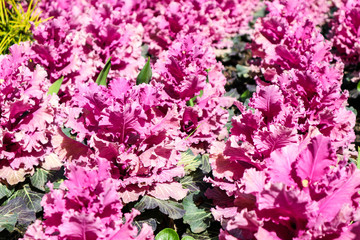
(192, 100)
(209, 234)
(260, 13)
(194, 181)
(101, 79)
(187, 238)
(15, 211)
(358, 158)
(194, 131)
(25, 215)
(242, 71)
(197, 218)
(32, 199)
(144, 50)
(167, 234)
(191, 182)
(358, 86)
(55, 87)
(145, 74)
(245, 95)
(228, 125)
(8, 216)
(173, 209)
(351, 108)
(56, 185)
(232, 93)
(39, 179)
(190, 161)
(4, 191)
(207, 76)
(205, 164)
(67, 132)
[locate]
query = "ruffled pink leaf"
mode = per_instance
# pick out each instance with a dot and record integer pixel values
(68, 149)
(81, 226)
(314, 161)
(254, 181)
(264, 234)
(13, 176)
(276, 137)
(132, 193)
(281, 163)
(129, 231)
(268, 100)
(224, 167)
(165, 191)
(342, 194)
(283, 202)
(128, 123)
(353, 232)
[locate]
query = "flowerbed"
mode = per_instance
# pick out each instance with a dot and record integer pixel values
(116, 123)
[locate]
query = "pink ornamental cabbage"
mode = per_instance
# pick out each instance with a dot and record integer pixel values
(165, 21)
(135, 129)
(27, 117)
(296, 58)
(86, 206)
(319, 104)
(314, 10)
(302, 192)
(284, 45)
(189, 70)
(81, 38)
(182, 69)
(262, 146)
(277, 174)
(345, 32)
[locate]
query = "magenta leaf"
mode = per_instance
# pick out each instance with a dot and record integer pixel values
(281, 164)
(315, 160)
(268, 100)
(276, 137)
(81, 226)
(342, 194)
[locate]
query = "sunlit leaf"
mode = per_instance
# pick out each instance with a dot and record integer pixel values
(145, 74)
(167, 234)
(189, 161)
(55, 87)
(39, 179)
(187, 238)
(4, 191)
(197, 218)
(101, 79)
(31, 198)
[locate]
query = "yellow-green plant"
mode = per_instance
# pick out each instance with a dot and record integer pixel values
(15, 25)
